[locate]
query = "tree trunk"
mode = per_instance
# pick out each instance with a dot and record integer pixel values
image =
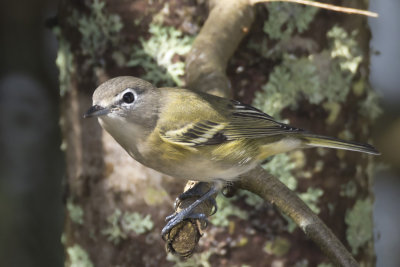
(296, 65)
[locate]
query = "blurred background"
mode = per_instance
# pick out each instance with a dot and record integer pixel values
(32, 165)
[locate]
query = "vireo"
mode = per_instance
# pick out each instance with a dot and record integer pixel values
(197, 136)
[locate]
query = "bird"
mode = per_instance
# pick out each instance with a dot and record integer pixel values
(197, 136)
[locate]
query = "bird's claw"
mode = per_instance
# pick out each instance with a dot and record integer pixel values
(189, 213)
(176, 218)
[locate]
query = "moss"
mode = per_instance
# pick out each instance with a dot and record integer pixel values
(325, 265)
(78, 257)
(285, 18)
(75, 211)
(121, 224)
(226, 209)
(279, 247)
(359, 224)
(157, 55)
(64, 61)
(99, 31)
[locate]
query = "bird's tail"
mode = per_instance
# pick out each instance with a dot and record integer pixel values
(325, 141)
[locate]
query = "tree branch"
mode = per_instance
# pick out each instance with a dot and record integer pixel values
(225, 27)
(259, 182)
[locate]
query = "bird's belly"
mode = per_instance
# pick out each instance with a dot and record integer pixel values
(205, 170)
(197, 167)
(203, 163)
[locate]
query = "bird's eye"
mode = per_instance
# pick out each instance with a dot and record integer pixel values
(128, 97)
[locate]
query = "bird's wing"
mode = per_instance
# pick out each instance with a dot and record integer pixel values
(196, 134)
(240, 121)
(249, 122)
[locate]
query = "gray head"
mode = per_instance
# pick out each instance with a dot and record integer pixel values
(125, 106)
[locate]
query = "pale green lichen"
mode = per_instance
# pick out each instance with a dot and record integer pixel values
(161, 55)
(349, 189)
(251, 198)
(359, 224)
(75, 211)
(63, 238)
(78, 257)
(279, 247)
(345, 47)
(121, 224)
(136, 222)
(311, 198)
(370, 107)
(286, 83)
(64, 61)
(157, 55)
(281, 166)
(225, 210)
(114, 232)
(99, 31)
(285, 18)
(326, 76)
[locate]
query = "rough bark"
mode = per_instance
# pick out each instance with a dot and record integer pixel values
(102, 178)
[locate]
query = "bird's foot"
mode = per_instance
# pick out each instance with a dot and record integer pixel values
(176, 218)
(189, 212)
(197, 191)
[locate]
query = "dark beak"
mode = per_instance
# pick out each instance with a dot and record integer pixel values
(96, 111)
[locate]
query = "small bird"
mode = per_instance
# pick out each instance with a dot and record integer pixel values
(194, 135)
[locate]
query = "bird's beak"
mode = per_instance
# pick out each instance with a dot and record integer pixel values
(96, 111)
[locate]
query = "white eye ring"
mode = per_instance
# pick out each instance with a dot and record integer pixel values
(128, 96)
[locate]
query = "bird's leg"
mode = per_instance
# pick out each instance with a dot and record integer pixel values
(196, 191)
(189, 212)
